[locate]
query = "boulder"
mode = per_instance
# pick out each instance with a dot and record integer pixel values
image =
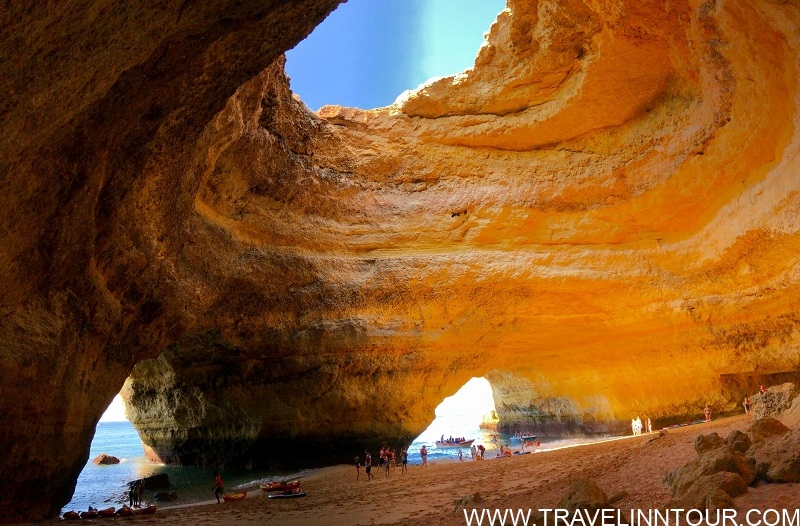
(165, 496)
(765, 428)
(776, 458)
(105, 460)
(153, 482)
(721, 459)
(738, 442)
(703, 492)
(776, 400)
(587, 496)
(708, 442)
(583, 495)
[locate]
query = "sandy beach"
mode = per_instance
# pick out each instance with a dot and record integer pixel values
(424, 496)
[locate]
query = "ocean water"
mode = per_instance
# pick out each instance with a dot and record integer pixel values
(104, 486)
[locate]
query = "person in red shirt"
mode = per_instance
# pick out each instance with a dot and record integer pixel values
(219, 487)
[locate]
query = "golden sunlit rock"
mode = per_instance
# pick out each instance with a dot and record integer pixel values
(602, 217)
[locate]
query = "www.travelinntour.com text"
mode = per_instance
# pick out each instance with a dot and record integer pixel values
(633, 517)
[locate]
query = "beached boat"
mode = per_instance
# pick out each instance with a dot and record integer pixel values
(447, 443)
(89, 514)
(71, 515)
(229, 497)
(527, 438)
(106, 512)
(290, 494)
(280, 486)
(124, 511)
(149, 510)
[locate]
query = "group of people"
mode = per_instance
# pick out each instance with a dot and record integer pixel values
(135, 493)
(638, 426)
(387, 460)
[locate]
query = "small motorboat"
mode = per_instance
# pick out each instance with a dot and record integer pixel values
(280, 486)
(454, 444)
(230, 497)
(289, 494)
(526, 438)
(71, 515)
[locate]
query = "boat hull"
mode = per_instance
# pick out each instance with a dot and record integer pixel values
(454, 445)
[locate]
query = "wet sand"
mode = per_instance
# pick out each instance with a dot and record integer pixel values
(426, 495)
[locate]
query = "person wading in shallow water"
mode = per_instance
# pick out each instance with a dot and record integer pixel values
(219, 487)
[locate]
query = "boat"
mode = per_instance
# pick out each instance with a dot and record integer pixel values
(71, 515)
(289, 494)
(280, 486)
(149, 510)
(527, 438)
(89, 514)
(107, 512)
(230, 497)
(124, 511)
(447, 443)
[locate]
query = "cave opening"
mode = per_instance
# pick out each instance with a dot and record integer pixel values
(367, 52)
(469, 413)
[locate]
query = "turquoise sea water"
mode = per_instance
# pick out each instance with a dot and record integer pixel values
(104, 486)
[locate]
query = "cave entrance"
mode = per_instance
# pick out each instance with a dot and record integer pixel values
(367, 52)
(115, 436)
(467, 414)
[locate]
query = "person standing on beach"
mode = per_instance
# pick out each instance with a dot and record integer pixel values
(358, 466)
(472, 450)
(423, 452)
(404, 460)
(707, 412)
(368, 464)
(746, 404)
(219, 487)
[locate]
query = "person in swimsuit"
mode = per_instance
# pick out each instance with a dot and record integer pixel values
(358, 466)
(423, 452)
(707, 412)
(404, 460)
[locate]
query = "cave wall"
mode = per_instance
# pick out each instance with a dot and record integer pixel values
(103, 104)
(605, 207)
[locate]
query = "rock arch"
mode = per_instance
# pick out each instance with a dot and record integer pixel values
(609, 198)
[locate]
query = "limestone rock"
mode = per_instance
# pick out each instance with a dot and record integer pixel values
(777, 457)
(721, 459)
(165, 496)
(708, 442)
(775, 401)
(583, 494)
(765, 428)
(601, 215)
(104, 460)
(739, 442)
(704, 493)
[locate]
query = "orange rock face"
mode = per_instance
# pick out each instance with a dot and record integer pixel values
(602, 217)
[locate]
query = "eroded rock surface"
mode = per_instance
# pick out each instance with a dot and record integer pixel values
(606, 208)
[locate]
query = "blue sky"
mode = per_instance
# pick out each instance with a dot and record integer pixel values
(368, 52)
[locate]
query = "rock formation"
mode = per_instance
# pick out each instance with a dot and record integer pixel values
(603, 216)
